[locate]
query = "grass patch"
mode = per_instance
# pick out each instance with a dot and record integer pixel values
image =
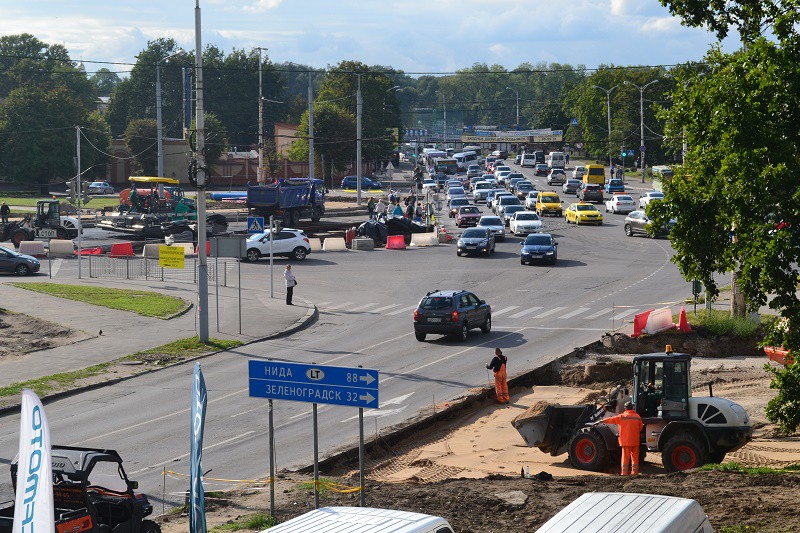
(309, 485)
(255, 522)
(719, 323)
(145, 303)
(54, 383)
(182, 349)
(751, 470)
(30, 201)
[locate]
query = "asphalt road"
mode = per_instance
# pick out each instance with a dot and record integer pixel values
(366, 301)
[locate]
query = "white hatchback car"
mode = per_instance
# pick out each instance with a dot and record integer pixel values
(525, 222)
(530, 200)
(288, 242)
(620, 203)
(646, 198)
(578, 172)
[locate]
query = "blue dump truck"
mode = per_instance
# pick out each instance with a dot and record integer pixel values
(288, 200)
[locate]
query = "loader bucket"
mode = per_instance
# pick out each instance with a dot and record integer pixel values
(550, 427)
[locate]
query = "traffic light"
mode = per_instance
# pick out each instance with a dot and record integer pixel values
(71, 194)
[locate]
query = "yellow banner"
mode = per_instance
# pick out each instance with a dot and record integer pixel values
(171, 256)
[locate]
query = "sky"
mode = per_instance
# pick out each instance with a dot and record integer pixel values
(412, 35)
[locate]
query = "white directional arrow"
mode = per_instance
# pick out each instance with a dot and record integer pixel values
(398, 400)
(369, 398)
(368, 378)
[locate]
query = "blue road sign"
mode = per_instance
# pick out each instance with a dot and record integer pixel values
(573, 122)
(255, 224)
(641, 148)
(337, 385)
(630, 153)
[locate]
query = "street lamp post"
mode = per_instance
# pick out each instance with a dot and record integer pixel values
(158, 110)
(359, 111)
(444, 134)
(260, 173)
(516, 91)
(641, 122)
(608, 106)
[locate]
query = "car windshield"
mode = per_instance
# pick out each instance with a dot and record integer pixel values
(483, 185)
(508, 200)
(469, 210)
(585, 208)
(624, 199)
(538, 240)
(10, 252)
(527, 216)
(436, 302)
(455, 190)
(615, 182)
(459, 201)
(490, 221)
(510, 210)
(550, 199)
(97, 184)
(474, 233)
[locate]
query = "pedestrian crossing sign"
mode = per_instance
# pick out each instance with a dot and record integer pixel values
(255, 224)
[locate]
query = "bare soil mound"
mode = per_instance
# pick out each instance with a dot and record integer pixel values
(21, 334)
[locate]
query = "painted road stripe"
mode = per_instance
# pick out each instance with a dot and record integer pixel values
(525, 312)
(575, 312)
(320, 304)
(404, 310)
(362, 307)
(384, 308)
(339, 306)
(598, 314)
(506, 310)
(550, 312)
(622, 315)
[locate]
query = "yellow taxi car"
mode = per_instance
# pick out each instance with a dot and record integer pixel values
(583, 213)
(548, 203)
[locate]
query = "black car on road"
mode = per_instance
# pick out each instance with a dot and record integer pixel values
(451, 313)
(590, 192)
(476, 241)
(539, 247)
(350, 182)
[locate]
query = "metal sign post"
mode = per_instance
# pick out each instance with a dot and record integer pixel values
(239, 265)
(316, 456)
(230, 246)
(216, 288)
(271, 283)
(271, 463)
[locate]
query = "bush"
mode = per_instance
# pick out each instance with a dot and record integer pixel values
(784, 409)
(719, 323)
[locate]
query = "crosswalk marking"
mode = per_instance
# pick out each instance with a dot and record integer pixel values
(362, 307)
(506, 310)
(575, 312)
(339, 306)
(620, 316)
(525, 312)
(321, 304)
(550, 312)
(404, 310)
(384, 308)
(597, 314)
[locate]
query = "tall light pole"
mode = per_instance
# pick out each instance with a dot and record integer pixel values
(202, 238)
(310, 127)
(260, 174)
(516, 91)
(390, 89)
(158, 110)
(641, 114)
(608, 106)
(444, 107)
(359, 111)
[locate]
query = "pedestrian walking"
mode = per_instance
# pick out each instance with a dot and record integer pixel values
(291, 283)
(5, 211)
(630, 430)
(566, 158)
(380, 209)
(398, 210)
(370, 207)
(498, 366)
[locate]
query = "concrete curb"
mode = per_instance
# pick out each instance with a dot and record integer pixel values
(302, 323)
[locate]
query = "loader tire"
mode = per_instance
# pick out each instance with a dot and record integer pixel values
(587, 451)
(148, 526)
(683, 452)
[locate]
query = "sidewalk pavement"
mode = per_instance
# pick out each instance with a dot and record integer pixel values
(126, 332)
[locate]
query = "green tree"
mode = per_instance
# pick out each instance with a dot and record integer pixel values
(105, 81)
(216, 138)
(334, 135)
(141, 141)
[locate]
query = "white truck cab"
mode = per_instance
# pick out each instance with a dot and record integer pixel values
(362, 520)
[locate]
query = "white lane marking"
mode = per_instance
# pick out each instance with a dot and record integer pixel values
(575, 312)
(620, 316)
(378, 413)
(525, 312)
(56, 266)
(384, 308)
(550, 312)
(362, 307)
(597, 314)
(320, 304)
(398, 400)
(178, 458)
(506, 310)
(320, 409)
(339, 306)
(404, 310)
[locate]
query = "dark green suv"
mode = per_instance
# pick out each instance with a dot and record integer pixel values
(451, 313)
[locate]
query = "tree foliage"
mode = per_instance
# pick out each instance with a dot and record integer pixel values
(141, 141)
(336, 130)
(105, 81)
(216, 138)
(785, 407)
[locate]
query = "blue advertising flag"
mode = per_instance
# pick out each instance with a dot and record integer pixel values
(197, 511)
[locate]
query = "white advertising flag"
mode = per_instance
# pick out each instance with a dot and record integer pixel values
(33, 506)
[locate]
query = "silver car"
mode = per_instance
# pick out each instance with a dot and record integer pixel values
(473, 170)
(456, 192)
(495, 225)
(99, 187)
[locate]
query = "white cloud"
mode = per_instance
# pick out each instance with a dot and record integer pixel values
(499, 49)
(661, 24)
(262, 5)
(618, 7)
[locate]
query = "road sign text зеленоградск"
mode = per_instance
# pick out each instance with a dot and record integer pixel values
(300, 382)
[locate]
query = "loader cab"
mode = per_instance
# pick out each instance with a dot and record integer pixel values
(47, 214)
(662, 385)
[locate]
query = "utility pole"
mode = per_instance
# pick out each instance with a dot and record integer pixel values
(260, 175)
(516, 91)
(159, 134)
(202, 267)
(608, 112)
(80, 196)
(641, 121)
(359, 111)
(310, 127)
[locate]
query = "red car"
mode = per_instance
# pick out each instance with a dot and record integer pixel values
(467, 215)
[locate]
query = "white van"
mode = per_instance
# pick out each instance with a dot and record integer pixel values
(465, 159)
(362, 520)
(555, 160)
(607, 512)
(529, 159)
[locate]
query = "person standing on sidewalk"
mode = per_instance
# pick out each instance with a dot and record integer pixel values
(498, 365)
(630, 431)
(380, 209)
(5, 211)
(291, 282)
(371, 207)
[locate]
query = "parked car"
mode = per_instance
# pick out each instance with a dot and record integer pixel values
(620, 203)
(454, 204)
(556, 176)
(615, 185)
(467, 215)
(648, 197)
(583, 213)
(590, 192)
(578, 172)
(475, 241)
(288, 242)
(495, 225)
(474, 170)
(638, 223)
(525, 222)
(17, 263)
(541, 169)
(350, 182)
(451, 313)
(540, 247)
(571, 186)
(99, 187)
(509, 211)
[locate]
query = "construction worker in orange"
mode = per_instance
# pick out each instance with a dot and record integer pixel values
(498, 365)
(630, 430)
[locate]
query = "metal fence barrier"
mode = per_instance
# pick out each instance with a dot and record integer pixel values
(148, 269)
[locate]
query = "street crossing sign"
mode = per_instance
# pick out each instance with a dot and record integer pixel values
(300, 382)
(573, 122)
(255, 224)
(630, 153)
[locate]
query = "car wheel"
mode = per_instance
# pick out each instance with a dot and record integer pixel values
(628, 230)
(458, 253)
(299, 253)
(253, 255)
(463, 333)
(148, 526)
(22, 270)
(420, 336)
(487, 325)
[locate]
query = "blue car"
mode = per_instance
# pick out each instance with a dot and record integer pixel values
(615, 185)
(538, 247)
(350, 182)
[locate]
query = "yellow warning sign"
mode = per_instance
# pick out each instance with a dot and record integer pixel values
(171, 256)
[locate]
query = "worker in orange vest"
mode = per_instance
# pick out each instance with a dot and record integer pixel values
(630, 430)
(498, 365)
